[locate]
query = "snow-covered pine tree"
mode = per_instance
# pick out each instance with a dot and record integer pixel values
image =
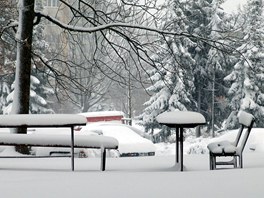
(5, 91)
(41, 91)
(207, 20)
(247, 79)
(199, 17)
(172, 79)
(39, 94)
(216, 65)
(7, 51)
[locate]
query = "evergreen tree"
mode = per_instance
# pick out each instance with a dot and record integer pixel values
(39, 94)
(189, 70)
(247, 79)
(172, 79)
(5, 91)
(216, 65)
(7, 51)
(207, 20)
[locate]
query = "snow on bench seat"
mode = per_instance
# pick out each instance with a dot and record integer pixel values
(80, 141)
(221, 147)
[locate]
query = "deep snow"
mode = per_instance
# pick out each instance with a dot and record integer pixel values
(130, 177)
(137, 177)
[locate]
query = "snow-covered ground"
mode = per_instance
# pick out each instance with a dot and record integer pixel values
(130, 178)
(137, 177)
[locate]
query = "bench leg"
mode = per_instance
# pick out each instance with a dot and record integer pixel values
(103, 158)
(213, 162)
(240, 161)
(235, 161)
(210, 161)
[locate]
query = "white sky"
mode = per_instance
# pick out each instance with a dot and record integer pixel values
(229, 5)
(232, 5)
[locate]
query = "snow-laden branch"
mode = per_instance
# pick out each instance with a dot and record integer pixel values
(12, 24)
(107, 26)
(111, 26)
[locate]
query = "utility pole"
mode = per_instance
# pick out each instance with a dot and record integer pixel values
(213, 101)
(129, 99)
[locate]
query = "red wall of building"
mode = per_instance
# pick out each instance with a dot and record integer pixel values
(104, 118)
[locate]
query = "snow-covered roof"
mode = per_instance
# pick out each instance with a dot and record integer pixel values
(41, 120)
(129, 140)
(181, 118)
(102, 113)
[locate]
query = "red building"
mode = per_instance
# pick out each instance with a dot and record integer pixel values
(104, 116)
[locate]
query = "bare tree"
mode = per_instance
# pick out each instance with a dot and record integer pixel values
(23, 64)
(117, 37)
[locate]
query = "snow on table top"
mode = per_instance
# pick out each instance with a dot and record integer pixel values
(41, 120)
(181, 118)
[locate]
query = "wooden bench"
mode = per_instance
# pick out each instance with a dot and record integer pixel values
(54, 140)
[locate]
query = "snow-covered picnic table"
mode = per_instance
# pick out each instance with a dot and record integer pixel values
(180, 120)
(53, 121)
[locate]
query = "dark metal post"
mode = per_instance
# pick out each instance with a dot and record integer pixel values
(103, 158)
(72, 147)
(181, 147)
(177, 144)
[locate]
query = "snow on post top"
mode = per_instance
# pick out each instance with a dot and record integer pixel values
(41, 120)
(181, 118)
(245, 118)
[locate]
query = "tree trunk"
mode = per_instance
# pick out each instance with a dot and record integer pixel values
(23, 63)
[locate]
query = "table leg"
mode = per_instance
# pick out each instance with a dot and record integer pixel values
(177, 145)
(181, 147)
(72, 148)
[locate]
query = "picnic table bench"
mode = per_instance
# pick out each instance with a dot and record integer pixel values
(54, 140)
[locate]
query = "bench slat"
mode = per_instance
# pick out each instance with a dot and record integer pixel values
(41, 120)
(80, 141)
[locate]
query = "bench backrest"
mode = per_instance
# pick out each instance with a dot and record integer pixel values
(246, 120)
